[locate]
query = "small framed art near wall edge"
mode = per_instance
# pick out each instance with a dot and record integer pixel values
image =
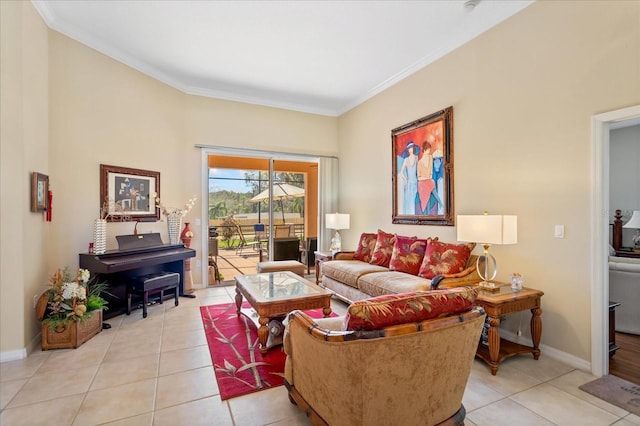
(422, 170)
(39, 192)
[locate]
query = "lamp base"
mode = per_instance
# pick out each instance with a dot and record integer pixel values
(489, 286)
(336, 243)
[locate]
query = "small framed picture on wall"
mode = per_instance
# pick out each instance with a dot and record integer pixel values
(39, 192)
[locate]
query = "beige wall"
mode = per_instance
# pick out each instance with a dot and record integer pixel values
(99, 111)
(523, 95)
(105, 112)
(23, 150)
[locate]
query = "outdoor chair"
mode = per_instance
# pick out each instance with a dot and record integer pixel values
(283, 231)
(213, 258)
(259, 231)
(243, 241)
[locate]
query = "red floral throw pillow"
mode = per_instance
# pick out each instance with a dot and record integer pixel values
(407, 255)
(393, 309)
(383, 249)
(365, 247)
(442, 258)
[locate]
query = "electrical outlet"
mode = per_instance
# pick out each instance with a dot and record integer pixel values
(35, 300)
(198, 263)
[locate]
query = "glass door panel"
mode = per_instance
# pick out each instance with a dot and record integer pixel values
(243, 220)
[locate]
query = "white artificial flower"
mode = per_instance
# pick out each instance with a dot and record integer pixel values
(84, 275)
(69, 290)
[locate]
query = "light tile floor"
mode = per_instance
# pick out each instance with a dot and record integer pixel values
(157, 371)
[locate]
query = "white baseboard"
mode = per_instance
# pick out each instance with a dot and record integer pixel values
(571, 360)
(19, 354)
(14, 355)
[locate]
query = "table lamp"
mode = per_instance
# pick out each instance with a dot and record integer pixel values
(634, 222)
(337, 221)
(487, 229)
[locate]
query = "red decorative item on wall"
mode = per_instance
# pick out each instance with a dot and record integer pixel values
(49, 206)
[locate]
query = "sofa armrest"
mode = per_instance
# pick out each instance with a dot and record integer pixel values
(344, 255)
(467, 271)
(468, 276)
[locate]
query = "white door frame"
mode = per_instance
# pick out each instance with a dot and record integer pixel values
(600, 125)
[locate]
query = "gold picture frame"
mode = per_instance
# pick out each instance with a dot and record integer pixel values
(126, 193)
(422, 170)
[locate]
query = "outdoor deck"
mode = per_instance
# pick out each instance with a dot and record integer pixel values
(231, 264)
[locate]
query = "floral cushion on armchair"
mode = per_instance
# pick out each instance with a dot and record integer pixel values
(407, 255)
(365, 247)
(442, 258)
(393, 309)
(383, 249)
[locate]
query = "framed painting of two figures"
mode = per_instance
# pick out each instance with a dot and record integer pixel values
(422, 170)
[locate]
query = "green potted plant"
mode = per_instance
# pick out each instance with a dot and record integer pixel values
(70, 309)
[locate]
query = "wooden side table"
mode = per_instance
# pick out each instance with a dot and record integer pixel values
(505, 302)
(321, 256)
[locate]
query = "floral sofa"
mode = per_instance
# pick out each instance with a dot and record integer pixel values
(385, 263)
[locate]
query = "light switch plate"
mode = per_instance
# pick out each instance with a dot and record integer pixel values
(558, 231)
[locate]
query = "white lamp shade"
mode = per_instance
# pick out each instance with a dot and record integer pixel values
(488, 229)
(337, 220)
(634, 222)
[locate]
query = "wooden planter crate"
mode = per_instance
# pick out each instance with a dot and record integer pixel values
(71, 334)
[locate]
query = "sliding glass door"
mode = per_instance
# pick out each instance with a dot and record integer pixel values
(251, 201)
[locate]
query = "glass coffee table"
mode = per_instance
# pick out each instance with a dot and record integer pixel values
(273, 295)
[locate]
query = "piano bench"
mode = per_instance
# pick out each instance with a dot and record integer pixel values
(152, 283)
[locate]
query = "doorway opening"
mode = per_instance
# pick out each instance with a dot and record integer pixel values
(600, 213)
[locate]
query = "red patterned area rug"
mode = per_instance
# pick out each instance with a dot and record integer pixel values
(239, 366)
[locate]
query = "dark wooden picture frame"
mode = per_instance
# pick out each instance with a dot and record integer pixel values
(39, 192)
(126, 193)
(422, 170)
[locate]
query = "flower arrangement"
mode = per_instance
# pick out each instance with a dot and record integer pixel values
(70, 298)
(175, 211)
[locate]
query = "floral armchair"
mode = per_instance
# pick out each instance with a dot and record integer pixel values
(410, 374)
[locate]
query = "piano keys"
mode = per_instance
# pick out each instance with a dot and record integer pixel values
(140, 256)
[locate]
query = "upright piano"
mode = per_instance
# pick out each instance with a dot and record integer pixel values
(136, 255)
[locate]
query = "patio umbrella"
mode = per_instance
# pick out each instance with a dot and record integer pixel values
(281, 191)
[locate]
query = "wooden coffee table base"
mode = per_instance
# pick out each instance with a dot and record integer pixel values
(278, 308)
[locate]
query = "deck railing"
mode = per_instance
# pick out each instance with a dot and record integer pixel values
(250, 234)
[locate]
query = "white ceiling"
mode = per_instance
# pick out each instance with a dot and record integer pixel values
(322, 57)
